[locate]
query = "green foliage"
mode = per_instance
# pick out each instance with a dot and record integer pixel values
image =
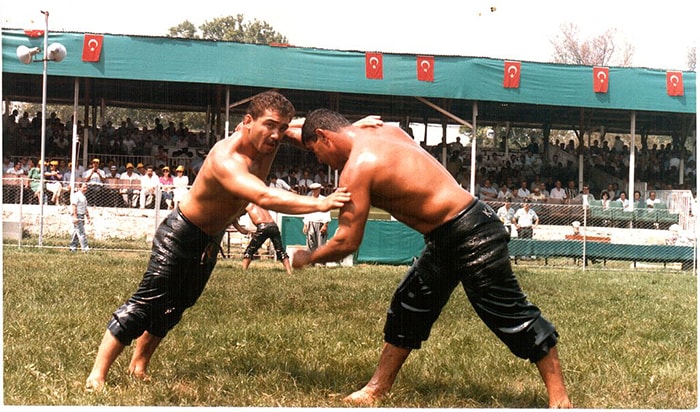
(263, 338)
(230, 28)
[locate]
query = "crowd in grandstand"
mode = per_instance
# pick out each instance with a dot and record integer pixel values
(521, 174)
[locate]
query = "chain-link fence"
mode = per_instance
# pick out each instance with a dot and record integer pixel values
(124, 217)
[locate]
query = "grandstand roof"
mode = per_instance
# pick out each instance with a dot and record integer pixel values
(161, 72)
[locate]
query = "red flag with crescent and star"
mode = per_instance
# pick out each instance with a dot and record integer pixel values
(511, 75)
(373, 65)
(92, 47)
(601, 76)
(425, 68)
(674, 83)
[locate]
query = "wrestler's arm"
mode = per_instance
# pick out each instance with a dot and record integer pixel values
(293, 132)
(237, 180)
(351, 221)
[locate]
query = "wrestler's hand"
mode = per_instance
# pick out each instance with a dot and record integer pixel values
(301, 258)
(335, 200)
(369, 121)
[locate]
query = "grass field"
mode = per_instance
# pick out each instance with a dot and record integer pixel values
(262, 338)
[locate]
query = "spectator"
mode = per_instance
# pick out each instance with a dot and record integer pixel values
(536, 196)
(79, 211)
(53, 178)
(316, 224)
(487, 192)
(34, 176)
(95, 179)
(305, 181)
(181, 183)
(558, 192)
(504, 193)
(523, 191)
(652, 201)
(506, 214)
(279, 183)
(129, 190)
(525, 220)
(624, 200)
(586, 196)
(149, 185)
(166, 186)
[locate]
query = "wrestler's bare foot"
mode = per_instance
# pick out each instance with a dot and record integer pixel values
(563, 403)
(365, 397)
(94, 383)
(139, 373)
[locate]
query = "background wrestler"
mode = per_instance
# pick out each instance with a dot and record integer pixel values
(465, 242)
(231, 177)
(266, 229)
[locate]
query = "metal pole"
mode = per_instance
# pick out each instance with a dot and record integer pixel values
(74, 149)
(472, 175)
(43, 129)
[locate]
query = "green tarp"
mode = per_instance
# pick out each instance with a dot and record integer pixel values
(385, 242)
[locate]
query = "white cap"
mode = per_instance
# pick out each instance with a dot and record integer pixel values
(314, 186)
(576, 223)
(674, 228)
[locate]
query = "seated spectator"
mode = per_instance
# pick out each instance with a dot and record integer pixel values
(128, 189)
(278, 183)
(652, 201)
(558, 193)
(95, 179)
(181, 183)
(149, 185)
(523, 191)
(166, 186)
(53, 178)
(536, 196)
(624, 200)
(605, 199)
(487, 192)
(504, 193)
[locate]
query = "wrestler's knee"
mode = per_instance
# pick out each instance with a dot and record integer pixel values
(413, 310)
(127, 323)
(533, 342)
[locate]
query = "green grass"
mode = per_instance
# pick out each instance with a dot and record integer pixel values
(262, 338)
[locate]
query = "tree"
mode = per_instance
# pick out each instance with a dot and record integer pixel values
(184, 30)
(691, 58)
(230, 28)
(596, 51)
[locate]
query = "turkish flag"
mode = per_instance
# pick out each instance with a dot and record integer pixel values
(34, 33)
(674, 83)
(92, 47)
(373, 66)
(425, 68)
(600, 79)
(511, 75)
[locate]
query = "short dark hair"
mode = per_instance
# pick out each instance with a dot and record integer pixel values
(270, 100)
(321, 119)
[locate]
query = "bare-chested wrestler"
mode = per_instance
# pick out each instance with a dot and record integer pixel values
(465, 243)
(186, 243)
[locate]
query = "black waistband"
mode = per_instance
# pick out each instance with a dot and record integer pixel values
(438, 231)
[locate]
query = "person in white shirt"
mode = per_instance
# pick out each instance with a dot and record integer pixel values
(316, 224)
(181, 183)
(652, 201)
(129, 191)
(557, 191)
(279, 183)
(506, 213)
(79, 212)
(149, 185)
(525, 220)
